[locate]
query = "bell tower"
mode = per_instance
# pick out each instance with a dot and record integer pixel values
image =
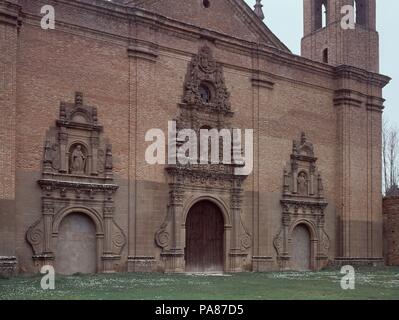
(341, 32)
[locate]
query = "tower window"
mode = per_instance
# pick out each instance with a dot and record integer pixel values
(320, 14)
(360, 12)
(206, 3)
(323, 16)
(325, 55)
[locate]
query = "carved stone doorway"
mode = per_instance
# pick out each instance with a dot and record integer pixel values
(76, 245)
(204, 238)
(301, 248)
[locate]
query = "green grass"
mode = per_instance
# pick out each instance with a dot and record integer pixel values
(381, 283)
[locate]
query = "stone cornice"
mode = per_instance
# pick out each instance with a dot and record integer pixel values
(10, 13)
(353, 73)
(259, 81)
(138, 16)
(356, 99)
(57, 184)
(309, 202)
(144, 50)
(347, 97)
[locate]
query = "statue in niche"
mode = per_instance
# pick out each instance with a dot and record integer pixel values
(78, 160)
(302, 184)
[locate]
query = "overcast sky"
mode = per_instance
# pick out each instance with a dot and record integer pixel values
(285, 19)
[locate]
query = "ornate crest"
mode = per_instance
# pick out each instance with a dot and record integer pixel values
(205, 72)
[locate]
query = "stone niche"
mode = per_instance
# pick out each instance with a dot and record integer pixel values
(77, 178)
(303, 207)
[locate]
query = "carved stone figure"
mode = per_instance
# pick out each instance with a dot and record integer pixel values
(78, 161)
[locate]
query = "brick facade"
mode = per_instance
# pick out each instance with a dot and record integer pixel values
(130, 65)
(391, 230)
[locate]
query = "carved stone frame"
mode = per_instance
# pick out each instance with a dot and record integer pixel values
(90, 192)
(303, 209)
(191, 183)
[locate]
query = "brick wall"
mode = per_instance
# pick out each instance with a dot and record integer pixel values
(391, 230)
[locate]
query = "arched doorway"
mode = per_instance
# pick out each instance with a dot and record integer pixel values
(301, 251)
(204, 238)
(76, 245)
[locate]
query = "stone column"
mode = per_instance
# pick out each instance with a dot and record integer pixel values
(236, 254)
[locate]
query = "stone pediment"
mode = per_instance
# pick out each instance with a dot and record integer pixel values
(231, 17)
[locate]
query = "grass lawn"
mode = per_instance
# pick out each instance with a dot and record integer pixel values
(381, 283)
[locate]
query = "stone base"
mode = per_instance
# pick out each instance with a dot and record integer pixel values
(173, 261)
(141, 264)
(263, 264)
(110, 263)
(237, 261)
(358, 262)
(8, 266)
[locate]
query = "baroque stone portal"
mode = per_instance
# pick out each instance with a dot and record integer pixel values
(205, 104)
(77, 178)
(303, 208)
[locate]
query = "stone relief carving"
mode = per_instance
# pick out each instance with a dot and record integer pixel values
(77, 178)
(204, 70)
(192, 180)
(302, 203)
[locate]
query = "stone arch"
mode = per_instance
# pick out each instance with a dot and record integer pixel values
(309, 225)
(216, 200)
(82, 112)
(91, 213)
(76, 142)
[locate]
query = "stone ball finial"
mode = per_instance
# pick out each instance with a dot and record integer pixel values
(258, 9)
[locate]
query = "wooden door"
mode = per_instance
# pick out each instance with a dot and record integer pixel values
(204, 238)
